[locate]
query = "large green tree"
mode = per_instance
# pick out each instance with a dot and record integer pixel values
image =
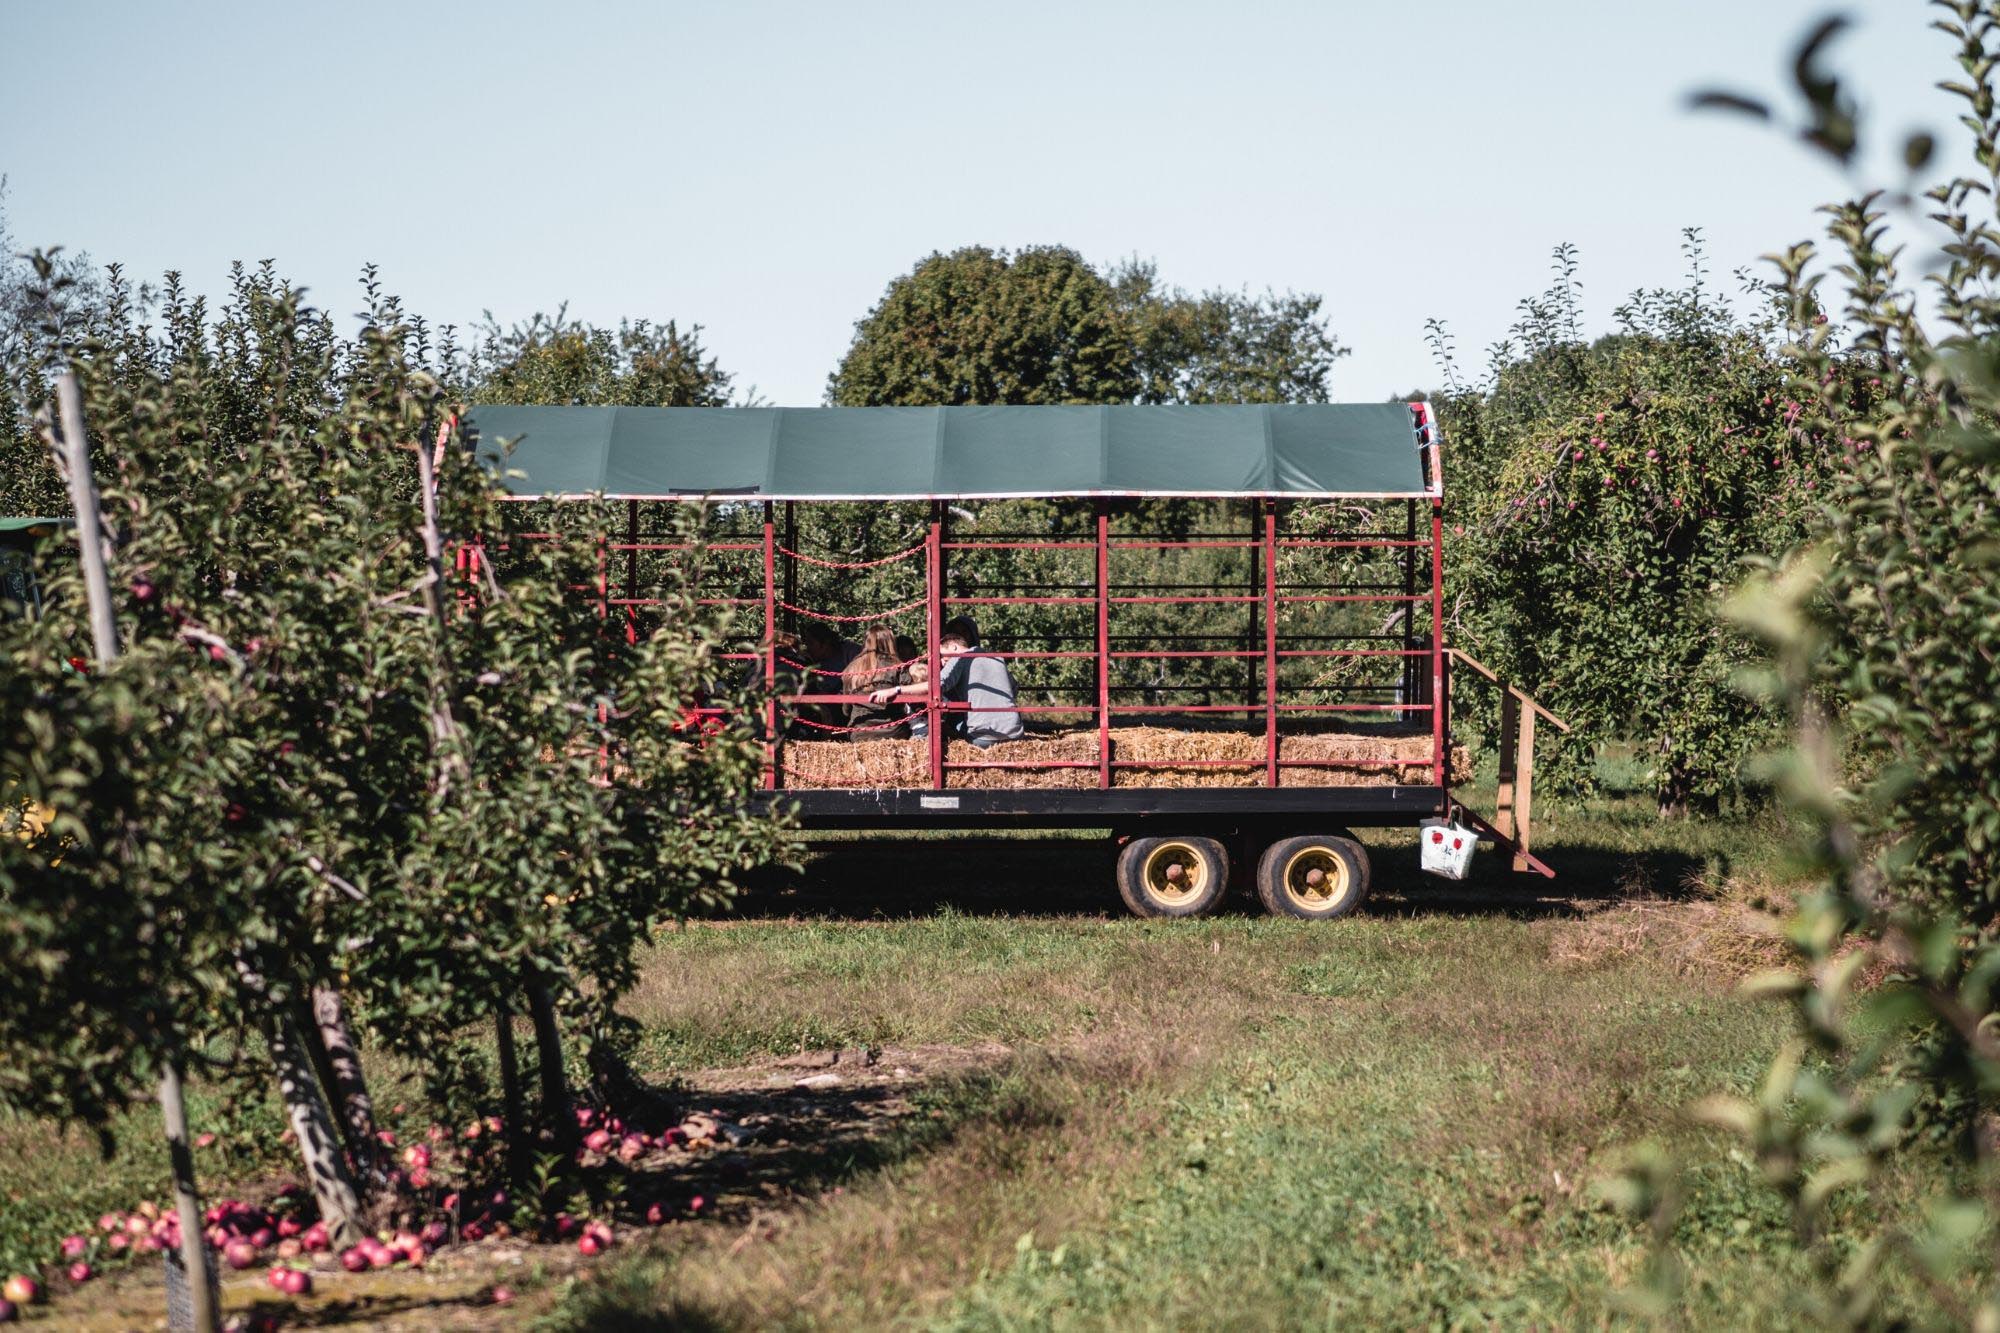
(553, 359)
(984, 326)
(1223, 346)
(1044, 326)
(1606, 494)
(306, 776)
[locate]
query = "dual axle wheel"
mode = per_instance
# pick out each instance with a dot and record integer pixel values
(1314, 877)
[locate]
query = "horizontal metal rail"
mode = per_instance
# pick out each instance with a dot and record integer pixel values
(1248, 612)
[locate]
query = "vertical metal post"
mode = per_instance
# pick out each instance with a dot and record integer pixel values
(1437, 645)
(773, 775)
(1103, 645)
(92, 549)
(1270, 643)
(933, 627)
(90, 541)
(791, 563)
(1255, 631)
(1411, 670)
(603, 574)
(631, 550)
(603, 613)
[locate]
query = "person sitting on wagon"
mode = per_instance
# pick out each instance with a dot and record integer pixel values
(827, 655)
(970, 677)
(878, 666)
(784, 681)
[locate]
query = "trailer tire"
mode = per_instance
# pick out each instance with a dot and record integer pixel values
(1314, 878)
(1172, 876)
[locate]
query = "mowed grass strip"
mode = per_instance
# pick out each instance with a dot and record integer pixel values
(1393, 1119)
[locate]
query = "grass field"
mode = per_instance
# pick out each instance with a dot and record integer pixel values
(1073, 1119)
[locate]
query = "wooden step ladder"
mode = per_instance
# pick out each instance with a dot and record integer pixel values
(1512, 827)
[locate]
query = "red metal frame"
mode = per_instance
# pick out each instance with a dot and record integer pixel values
(1267, 594)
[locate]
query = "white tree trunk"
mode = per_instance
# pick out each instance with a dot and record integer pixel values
(348, 1087)
(312, 1124)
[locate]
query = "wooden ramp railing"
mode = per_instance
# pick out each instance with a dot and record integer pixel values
(1513, 814)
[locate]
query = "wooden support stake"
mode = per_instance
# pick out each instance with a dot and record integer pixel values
(1524, 787)
(93, 550)
(1504, 797)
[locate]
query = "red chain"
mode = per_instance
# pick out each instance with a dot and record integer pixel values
(851, 564)
(872, 615)
(845, 731)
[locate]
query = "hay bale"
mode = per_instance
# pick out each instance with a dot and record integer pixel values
(1171, 757)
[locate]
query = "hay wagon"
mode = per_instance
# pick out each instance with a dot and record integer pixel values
(1223, 621)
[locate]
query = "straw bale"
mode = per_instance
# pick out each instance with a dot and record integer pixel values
(1174, 757)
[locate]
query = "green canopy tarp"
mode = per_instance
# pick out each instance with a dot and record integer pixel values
(28, 529)
(1363, 450)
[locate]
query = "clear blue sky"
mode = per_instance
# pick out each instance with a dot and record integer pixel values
(765, 169)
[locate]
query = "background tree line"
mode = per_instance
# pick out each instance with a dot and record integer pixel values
(1604, 493)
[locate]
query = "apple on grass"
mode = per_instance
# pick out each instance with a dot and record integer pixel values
(21, 1289)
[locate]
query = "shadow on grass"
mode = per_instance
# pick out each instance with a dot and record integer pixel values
(885, 879)
(810, 1140)
(976, 875)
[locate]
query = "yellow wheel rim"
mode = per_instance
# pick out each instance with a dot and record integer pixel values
(1317, 880)
(1174, 874)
